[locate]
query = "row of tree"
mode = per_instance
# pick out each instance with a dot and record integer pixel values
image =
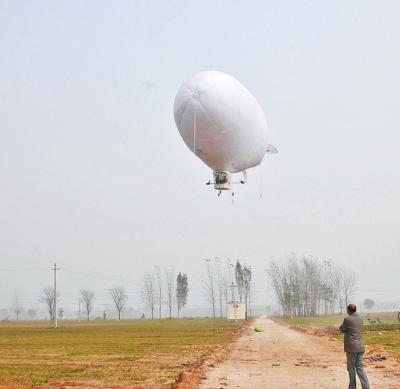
(87, 299)
(171, 290)
(225, 282)
(157, 291)
(161, 288)
(309, 286)
(306, 286)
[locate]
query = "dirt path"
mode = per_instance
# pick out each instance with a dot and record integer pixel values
(281, 357)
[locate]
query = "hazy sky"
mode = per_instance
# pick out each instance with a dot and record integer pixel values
(94, 174)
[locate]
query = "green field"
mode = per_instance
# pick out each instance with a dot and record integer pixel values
(386, 335)
(128, 352)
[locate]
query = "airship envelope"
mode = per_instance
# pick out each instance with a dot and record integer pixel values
(222, 123)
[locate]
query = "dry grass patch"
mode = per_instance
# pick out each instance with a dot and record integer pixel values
(125, 353)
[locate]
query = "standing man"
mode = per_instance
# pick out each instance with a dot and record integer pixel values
(352, 328)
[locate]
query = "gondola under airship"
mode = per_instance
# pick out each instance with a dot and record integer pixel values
(222, 123)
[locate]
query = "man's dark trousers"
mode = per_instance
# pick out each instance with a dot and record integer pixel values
(355, 365)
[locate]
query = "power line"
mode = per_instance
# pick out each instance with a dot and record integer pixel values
(26, 269)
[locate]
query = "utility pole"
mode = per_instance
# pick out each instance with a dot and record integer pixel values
(79, 312)
(232, 286)
(55, 268)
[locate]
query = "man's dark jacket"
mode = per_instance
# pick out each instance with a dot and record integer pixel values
(352, 328)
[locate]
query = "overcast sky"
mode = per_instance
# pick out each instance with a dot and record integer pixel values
(94, 174)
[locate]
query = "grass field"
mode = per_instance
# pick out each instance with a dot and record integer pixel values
(139, 351)
(386, 335)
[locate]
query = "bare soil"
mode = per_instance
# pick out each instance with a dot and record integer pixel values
(283, 357)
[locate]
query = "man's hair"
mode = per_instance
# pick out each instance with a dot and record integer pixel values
(351, 308)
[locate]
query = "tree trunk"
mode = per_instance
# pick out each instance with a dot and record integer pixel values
(220, 304)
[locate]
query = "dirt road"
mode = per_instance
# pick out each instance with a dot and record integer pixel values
(281, 357)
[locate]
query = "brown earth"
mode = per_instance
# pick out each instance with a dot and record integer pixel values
(283, 357)
(279, 357)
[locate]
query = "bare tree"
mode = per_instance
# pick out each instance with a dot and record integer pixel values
(170, 284)
(221, 280)
(17, 306)
(119, 297)
(226, 281)
(47, 297)
(330, 287)
(209, 285)
(87, 297)
(276, 275)
(149, 292)
(309, 286)
(182, 290)
(159, 288)
(61, 313)
(348, 286)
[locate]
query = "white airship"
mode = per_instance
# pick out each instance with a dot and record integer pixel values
(222, 123)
